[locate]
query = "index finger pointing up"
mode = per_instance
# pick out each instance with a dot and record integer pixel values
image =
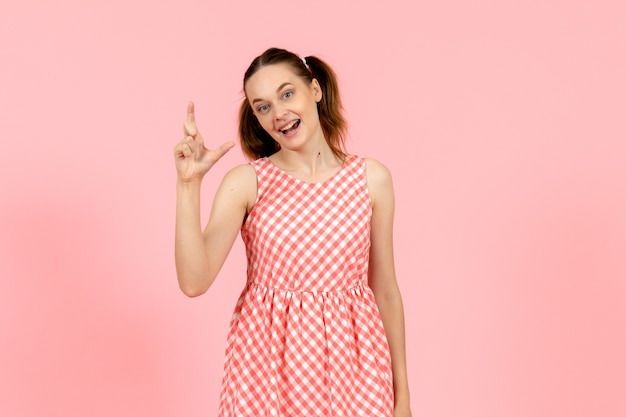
(190, 123)
(190, 115)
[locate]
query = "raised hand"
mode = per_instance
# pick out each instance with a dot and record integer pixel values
(192, 158)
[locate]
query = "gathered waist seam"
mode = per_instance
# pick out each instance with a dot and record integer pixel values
(359, 285)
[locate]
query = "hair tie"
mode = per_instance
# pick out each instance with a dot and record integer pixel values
(305, 64)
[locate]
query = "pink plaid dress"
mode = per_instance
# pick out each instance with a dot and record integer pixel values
(306, 338)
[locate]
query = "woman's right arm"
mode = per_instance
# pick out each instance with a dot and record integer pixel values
(200, 255)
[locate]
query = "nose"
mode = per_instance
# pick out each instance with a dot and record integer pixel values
(279, 112)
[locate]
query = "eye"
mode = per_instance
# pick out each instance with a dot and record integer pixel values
(288, 94)
(263, 108)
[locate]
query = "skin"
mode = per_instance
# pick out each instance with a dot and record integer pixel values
(278, 97)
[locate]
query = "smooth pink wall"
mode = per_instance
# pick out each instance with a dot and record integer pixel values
(502, 122)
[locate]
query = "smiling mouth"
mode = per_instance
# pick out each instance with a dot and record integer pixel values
(290, 127)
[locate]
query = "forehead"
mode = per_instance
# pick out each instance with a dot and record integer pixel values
(269, 78)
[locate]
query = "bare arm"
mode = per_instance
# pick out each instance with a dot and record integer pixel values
(382, 279)
(200, 255)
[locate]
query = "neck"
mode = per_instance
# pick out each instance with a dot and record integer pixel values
(307, 164)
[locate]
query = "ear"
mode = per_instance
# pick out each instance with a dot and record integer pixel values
(317, 90)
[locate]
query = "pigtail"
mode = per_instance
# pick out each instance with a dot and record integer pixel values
(330, 108)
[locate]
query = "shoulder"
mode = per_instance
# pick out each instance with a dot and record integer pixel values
(379, 182)
(239, 186)
(377, 173)
(241, 174)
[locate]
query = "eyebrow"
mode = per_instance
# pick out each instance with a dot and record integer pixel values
(277, 90)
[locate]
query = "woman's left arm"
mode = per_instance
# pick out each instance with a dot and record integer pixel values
(382, 279)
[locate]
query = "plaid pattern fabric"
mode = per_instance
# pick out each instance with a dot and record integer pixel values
(306, 338)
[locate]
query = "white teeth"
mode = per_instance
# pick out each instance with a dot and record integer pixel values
(289, 126)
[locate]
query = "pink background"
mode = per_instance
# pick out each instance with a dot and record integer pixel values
(503, 123)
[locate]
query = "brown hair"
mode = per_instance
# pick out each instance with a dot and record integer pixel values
(256, 142)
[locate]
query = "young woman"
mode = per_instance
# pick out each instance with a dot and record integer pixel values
(319, 327)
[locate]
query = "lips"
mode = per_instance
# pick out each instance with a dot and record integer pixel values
(290, 127)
